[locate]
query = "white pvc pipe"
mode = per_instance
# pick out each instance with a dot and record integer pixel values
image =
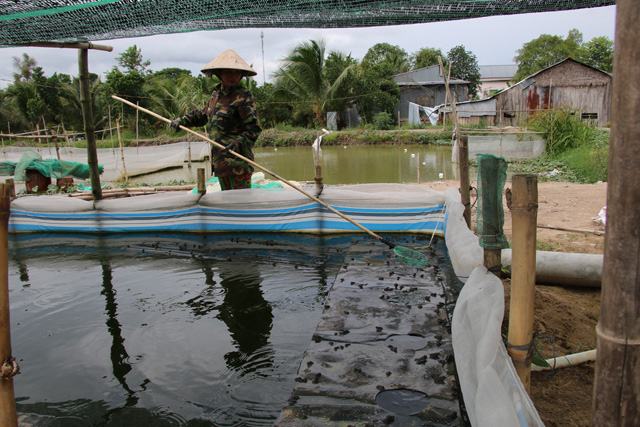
(563, 268)
(568, 360)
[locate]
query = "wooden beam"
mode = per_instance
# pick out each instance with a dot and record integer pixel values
(616, 398)
(89, 127)
(72, 45)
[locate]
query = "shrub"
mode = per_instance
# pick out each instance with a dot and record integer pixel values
(562, 128)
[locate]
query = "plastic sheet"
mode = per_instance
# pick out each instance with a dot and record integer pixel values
(492, 391)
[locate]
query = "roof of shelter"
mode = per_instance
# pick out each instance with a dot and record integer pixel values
(30, 21)
(497, 71)
(424, 77)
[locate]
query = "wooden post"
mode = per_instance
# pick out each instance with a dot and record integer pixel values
(318, 168)
(201, 184)
(39, 140)
(465, 194)
(124, 167)
(418, 155)
(12, 186)
(66, 135)
(524, 213)
(616, 399)
(111, 131)
(8, 415)
(89, 128)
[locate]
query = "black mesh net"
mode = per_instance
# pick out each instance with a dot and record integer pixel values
(32, 21)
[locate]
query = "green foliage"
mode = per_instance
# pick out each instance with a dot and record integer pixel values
(272, 114)
(302, 79)
(562, 127)
(173, 74)
(464, 65)
(383, 120)
(386, 60)
(541, 53)
(547, 50)
(587, 163)
(24, 67)
(598, 53)
(132, 62)
(426, 57)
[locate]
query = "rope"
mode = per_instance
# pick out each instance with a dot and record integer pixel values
(9, 368)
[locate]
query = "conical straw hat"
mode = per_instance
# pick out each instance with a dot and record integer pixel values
(228, 60)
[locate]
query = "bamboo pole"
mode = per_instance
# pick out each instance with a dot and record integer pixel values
(201, 184)
(616, 399)
(89, 127)
(39, 140)
(71, 45)
(124, 167)
(524, 213)
(318, 167)
(8, 415)
(12, 187)
(262, 168)
(465, 195)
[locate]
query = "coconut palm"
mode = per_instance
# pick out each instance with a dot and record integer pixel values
(302, 79)
(25, 68)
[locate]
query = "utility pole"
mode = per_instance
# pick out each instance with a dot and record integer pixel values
(264, 79)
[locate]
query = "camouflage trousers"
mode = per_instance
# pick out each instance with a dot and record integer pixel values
(235, 182)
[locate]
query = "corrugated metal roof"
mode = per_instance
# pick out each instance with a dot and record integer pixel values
(498, 71)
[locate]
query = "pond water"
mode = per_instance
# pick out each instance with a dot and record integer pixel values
(352, 164)
(155, 330)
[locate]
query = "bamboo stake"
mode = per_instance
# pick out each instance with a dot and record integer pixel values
(465, 195)
(8, 415)
(89, 127)
(318, 168)
(201, 185)
(463, 151)
(12, 187)
(39, 140)
(616, 399)
(124, 167)
(262, 168)
(524, 213)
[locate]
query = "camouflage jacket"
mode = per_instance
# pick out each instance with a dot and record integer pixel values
(231, 115)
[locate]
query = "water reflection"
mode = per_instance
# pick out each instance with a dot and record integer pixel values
(118, 354)
(246, 313)
(205, 330)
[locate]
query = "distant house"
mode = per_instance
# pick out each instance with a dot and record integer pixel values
(568, 82)
(425, 86)
(494, 78)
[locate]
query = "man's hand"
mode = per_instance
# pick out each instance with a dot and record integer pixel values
(175, 125)
(232, 146)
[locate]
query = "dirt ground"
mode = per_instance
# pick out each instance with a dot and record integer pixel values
(565, 317)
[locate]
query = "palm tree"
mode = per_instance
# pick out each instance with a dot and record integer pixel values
(302, 78)
(25, 68)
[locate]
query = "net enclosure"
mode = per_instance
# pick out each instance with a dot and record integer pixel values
(30, 21)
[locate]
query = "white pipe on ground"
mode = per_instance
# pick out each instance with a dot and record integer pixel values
(568, 360)
(563, 268)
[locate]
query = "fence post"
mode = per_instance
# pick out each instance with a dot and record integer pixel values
(524, 213)
(8, 415)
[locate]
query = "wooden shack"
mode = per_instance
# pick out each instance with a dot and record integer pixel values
(425, 86)
(567, 83)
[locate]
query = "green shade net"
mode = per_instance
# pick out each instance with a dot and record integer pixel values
(51, 168)
(29, 21)
(492, 175)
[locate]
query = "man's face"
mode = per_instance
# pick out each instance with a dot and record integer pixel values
(230, 77)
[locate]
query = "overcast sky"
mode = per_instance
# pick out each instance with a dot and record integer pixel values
(494, 41)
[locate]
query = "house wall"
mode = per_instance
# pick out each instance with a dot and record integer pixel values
(427, 95)
(568, 83)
